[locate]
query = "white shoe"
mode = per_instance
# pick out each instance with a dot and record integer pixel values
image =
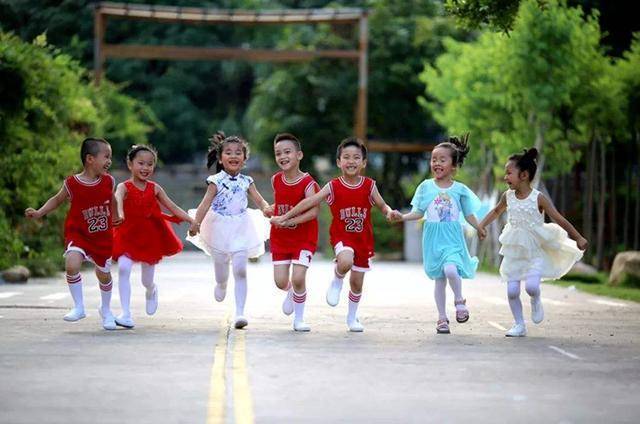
(518, 330)
(287, 305)
(219, 292)
(124, 321)
(152, 301)
(301, 326)
(108, 321)
(75, 314)
(240, 322)
(355, 326)
(333, 293)
(537, 311)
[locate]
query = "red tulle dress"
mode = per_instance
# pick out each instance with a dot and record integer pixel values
(145, 235)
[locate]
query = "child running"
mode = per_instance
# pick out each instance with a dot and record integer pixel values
(229, 232)
(531, 249)
(350, 198)
(441, 200)
(144, 236)
(88, 234)
(296, 242)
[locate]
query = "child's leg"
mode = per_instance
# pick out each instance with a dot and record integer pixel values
(513, 292)
(281, 278)
(532, 286)
(451, 272)
(344, 262)
(73, 262)
(151, 295)
(221, 270)
(298, 277)
(440, 296)
(124, 285)
(106, 284)
(356, 282)
(239, 264)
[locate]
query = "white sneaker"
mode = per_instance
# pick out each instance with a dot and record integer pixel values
(301, 326)
(333, 293)
(152, 301)
(108, 320)
(287, 305)
(240, 322)
(75, 314)
(518, 330)
(537, 311)
(355, 326)
(219, 292)
(124, 321)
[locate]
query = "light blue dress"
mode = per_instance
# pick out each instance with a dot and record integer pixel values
(442, 237)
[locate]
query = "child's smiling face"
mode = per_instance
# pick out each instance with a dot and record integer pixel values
(351, 161)
(142, 165)
(232, 157)
(101, 162)
(287, 156)
(442, 163)
(513, 176)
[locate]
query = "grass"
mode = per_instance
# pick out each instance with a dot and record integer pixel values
(602, 289)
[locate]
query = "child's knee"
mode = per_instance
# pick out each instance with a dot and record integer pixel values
(451, 271)
(282, 282)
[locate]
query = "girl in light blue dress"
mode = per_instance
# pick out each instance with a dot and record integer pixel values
(442, 202)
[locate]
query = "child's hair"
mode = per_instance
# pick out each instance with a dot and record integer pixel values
(91, 146)
(526, 161)
(289, 137)
(133, 151)
(218, 140)
(459, 148)
(352, 141)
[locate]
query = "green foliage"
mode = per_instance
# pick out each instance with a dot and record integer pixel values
(54, 107)
(473, 14)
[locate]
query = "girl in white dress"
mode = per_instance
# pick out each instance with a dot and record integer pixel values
(532, 250)
(228, 230)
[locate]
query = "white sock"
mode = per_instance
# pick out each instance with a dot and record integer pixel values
(147, 277)
(354, 301)
(451, 272)
(338, 279)
(440, 295)
(298, 305)
(513, 292)
(239, 264)
(105, 294)
(75, 288)
(124, 284)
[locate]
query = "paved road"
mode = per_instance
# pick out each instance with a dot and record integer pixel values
(185, 365)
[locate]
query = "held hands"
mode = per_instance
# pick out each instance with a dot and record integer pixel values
(194, 228)
(268, 211)
(394, 216)
(32, 213)
(482, 232)
(280, 222)
(117, 219)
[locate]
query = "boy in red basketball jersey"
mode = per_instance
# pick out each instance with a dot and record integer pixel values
(295, 243)
(88, 227)
(350, 198)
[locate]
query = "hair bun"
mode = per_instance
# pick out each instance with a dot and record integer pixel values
(530, 154)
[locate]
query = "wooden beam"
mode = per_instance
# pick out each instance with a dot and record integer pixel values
(210, 53)
(360, 121)
(99, 24)
(401, 147)
(231, 16)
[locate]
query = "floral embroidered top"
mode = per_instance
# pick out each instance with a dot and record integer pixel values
(231, 198)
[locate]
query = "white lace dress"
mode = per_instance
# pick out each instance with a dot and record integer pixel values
(530, 246)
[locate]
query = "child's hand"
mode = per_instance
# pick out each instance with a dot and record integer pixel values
(268, 211)
(394, 216)
(32, 213)
(194, 229)
(117, 220)
(277, 221)
(482, 233)
(582, 243)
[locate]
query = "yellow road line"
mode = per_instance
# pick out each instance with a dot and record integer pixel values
(242, 403)
(216, 404)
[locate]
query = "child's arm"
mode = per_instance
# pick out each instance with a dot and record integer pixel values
(308, 215)
(121, 192)
(257, 198)
(302, 206)
(165, 201)
(204, 205)
(386, 210)
(553, 213)
(473, 221)
(116, 217)
(50, 205)
(492, 216)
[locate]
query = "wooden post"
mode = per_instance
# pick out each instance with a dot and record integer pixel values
(99, 23)
(360, 125)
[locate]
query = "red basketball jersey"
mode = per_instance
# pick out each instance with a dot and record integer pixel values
(351, 210)
(288, 194)
(88, 223)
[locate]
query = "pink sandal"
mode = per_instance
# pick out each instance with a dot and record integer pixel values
(442, 327)
(462, 315)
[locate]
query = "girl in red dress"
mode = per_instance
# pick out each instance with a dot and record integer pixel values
(145, 234)
(88, 227)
